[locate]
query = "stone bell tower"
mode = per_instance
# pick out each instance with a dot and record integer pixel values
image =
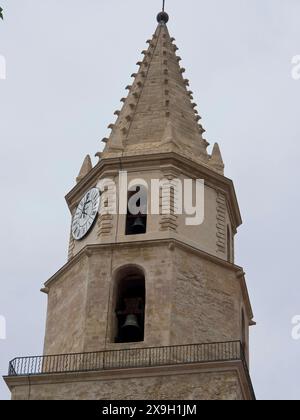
(147, 306)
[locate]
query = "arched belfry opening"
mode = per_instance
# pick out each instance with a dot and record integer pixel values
(130, 300)
(136, 218)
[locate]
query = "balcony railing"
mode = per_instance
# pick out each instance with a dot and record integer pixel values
(130, 358)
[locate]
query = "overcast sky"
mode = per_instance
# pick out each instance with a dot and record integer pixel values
(68, 63)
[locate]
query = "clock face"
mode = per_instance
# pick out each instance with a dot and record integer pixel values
(86, 214)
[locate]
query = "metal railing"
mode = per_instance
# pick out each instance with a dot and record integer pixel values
(130, 358)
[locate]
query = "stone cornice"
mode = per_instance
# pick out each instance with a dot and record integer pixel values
(89, 250)
(194, 368)
(159, 161)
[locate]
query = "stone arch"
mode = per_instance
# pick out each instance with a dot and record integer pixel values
(128, 304)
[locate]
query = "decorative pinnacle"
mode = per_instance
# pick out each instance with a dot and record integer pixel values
(163, 16)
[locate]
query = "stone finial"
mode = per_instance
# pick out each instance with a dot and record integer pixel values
(85, 168)
(216, 161)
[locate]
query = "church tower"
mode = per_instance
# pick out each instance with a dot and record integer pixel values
(150, 304)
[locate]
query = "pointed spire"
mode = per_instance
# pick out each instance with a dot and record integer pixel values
(216, 160)
(85, 168)
(158, 99)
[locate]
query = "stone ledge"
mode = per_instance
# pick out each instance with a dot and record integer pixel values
(161, 160)
(236, 367)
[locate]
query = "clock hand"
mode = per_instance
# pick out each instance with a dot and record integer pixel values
(85, 204)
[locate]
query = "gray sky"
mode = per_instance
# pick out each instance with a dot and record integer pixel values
(68, 63)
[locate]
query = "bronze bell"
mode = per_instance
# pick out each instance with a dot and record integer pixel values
(138, 226)
(130, 330)
(131, 322)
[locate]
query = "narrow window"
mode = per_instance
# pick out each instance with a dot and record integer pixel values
(130, 307)
(136, 219)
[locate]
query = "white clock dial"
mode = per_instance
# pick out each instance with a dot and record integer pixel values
(86, 214)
